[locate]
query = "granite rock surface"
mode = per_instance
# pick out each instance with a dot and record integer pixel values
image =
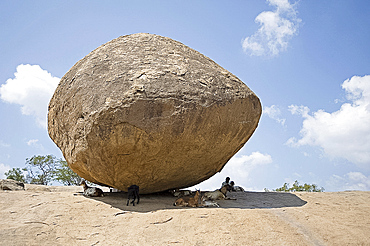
(147, 110)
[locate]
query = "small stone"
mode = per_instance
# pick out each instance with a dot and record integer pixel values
(10, 184)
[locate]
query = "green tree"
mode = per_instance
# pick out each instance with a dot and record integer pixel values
(285, 188)
(40, 169)
(297, 187)
(16, 174)
(64, 174)
(44, 169)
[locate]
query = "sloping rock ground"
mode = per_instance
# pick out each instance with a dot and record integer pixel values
(55, 215)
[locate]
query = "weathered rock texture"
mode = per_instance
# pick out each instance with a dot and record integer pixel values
(147, 110)
(10, 184)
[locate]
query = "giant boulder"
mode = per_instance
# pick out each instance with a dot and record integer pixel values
(147, 110)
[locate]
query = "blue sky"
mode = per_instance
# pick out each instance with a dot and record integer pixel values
(308, 62)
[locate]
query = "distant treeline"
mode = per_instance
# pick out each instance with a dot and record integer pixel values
(43, 170)
(297, 187)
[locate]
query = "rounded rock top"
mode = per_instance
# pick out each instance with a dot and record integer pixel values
(147, 110)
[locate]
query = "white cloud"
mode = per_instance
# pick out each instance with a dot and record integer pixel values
(298, 175)
(34, 143)
(3, 144)
(276, 29)
(3, 168)
(31, 88)
(299, 110)
(350, 181)
(274, 113)
(241, 166)
(344, 133)
(238, 169)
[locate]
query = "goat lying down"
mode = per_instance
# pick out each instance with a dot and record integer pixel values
(206, 203)
(219, 194)
(189, 201)
(91, 191)
(180, 193)
(238, 188)
(235, 188)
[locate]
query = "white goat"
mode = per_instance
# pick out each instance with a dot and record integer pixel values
(91, 191)
(235, 188)
(219, 194)
(180, 193)
(238, 188)
(205, 203)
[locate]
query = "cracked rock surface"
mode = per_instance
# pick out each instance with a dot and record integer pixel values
(147, 110)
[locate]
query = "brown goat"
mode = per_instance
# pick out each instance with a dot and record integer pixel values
(188, 201)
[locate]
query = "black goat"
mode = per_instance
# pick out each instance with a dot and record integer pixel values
(133, 193)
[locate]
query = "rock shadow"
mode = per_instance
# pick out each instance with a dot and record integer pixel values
(165, 200)
(253, 200)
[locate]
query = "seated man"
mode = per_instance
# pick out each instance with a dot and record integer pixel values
(226, 182)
